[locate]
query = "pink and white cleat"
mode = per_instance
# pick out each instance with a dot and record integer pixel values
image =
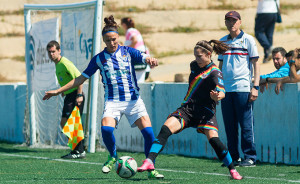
(235, 175)
(147, 166)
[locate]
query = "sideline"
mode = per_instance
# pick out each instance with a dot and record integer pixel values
(167, 170)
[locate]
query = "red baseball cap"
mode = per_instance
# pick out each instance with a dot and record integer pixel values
(233, 14)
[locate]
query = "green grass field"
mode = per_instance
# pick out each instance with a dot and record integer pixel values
(20, 164)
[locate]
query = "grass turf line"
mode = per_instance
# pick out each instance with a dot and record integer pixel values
(45, 166)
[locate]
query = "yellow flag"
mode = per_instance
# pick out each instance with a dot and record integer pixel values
(73, 128)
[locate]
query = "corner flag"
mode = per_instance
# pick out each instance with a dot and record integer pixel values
(73, 128)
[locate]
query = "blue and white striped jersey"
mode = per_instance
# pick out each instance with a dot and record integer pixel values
(117, 71)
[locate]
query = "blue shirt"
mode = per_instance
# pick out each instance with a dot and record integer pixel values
(117, 71)
(237, 66)
(283, 71)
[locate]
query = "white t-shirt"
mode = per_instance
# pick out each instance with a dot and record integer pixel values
(267, 6)
(237, 65)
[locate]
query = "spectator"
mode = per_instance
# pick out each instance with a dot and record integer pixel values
(282, 66)
(237, 64)
(135, 40)
(265, 20)
(294, 63)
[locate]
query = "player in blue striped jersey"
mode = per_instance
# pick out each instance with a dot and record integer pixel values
(115, 63)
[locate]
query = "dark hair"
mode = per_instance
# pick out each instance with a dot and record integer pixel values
(128, 22)
(279, 49)
(53, 43)
(110, 25)
(289, 54)
(218, 46)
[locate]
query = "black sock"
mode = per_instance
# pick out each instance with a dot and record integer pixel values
(222, 152)
(80, 147)
(159, 143)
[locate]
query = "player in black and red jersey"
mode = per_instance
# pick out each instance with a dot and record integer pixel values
(199, 107)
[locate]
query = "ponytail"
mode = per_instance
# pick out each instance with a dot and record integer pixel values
(218, 46)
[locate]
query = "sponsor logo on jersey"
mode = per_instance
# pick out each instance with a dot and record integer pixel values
(209, 122)
(204, 76)
(220, 81)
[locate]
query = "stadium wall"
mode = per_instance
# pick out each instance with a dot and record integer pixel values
(12, 103)
(277, 124)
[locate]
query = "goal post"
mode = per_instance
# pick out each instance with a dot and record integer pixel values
(96, 46)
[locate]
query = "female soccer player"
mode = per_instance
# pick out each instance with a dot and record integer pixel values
(198, 109)
(115, 63)
(135, 40)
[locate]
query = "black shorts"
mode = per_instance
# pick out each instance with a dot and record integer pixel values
(202, 118)
(69, 104)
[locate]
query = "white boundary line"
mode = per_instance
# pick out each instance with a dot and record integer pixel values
(167, 170)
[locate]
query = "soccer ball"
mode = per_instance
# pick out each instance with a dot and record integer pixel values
(126, 167)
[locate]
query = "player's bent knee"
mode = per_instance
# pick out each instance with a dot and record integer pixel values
(173, 124)
(109, 121)
(210, 133)
(143, 122)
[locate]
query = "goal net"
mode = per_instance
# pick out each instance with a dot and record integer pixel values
(74, 26)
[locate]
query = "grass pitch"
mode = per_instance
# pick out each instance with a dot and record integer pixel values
(27, 165)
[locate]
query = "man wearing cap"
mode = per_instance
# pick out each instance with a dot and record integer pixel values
(237, 65)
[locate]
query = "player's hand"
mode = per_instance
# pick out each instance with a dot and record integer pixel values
(49, 94)
(253, 95)
(79, 100)
(152, 62)
(214, 95)
(278, 87)
(262, 87)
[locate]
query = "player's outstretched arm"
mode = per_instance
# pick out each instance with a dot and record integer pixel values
(72, 84)
(151, 61)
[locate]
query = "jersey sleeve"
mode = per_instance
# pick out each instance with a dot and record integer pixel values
(220, 57)
(92, 67)
(217, 78)
(72, 70)
(252, 48)
(137, 56)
